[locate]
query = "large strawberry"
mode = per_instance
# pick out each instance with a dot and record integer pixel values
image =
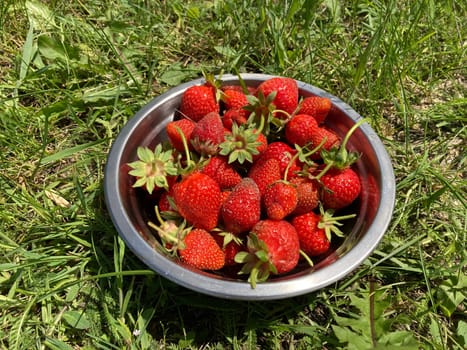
(194, 246)
(325, 137)
(300, 129)
(198, 200)
(242, 208)
(340, 188)
(315, 230)
(316, 106)
(178, 132)
(199, 249)
(313, 239)
(199, 100)
(264, 172)
(208, 134)
(284, 154)
(286, 94)
(280, 199)
(220, 170)
(273, 247)
(235, 99)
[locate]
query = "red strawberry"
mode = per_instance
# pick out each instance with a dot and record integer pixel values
(199, 249)
(308, 196)
(280, 199)
(328, 137)
(300, 129)
(286, 90)
(273, 247)
(339, 188)
(313, 239)
(221, 171)
(186, 126)
(231, 116)
(251, 89)
(242, 208)
(231, 245)
(234, 99)
(263, 145)
(198, 199)
(316, 106)
(283, 153)
(164, 202)
(264, 172)
(199, 100)
(207, 134)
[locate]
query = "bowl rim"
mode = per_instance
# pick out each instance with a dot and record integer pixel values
(241, 290)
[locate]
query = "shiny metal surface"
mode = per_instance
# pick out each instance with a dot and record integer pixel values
(375, 205)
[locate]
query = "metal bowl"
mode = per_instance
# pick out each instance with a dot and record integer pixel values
(130, 214)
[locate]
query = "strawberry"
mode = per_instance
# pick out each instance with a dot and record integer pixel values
(199, 100)
(286, 94)
(327, 137)
(316, 106)
(231, 116)
(230, 245)
(339, 188)
(280, 199)
(313, 239)
(200, 250)
(153, 168)
(272, 247)
(173, 129)
(284, 154)
(242, 208)
(164, 202)
(207, 134)
(234, 99)
(198, 200)
(264, 172)
(221, 171)
(307, 195)
(300, 129)
(315, 230)
(249, 89)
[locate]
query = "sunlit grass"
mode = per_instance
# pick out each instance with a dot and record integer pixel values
(73, 73)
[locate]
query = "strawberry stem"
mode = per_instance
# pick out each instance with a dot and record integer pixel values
(307, 258)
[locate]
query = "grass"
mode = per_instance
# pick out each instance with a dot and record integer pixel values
(73, 73)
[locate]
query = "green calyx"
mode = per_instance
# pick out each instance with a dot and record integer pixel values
(331, 223)
(255, 261)
(339, 157)
(152, 168)
(170, 232)
(241, 145)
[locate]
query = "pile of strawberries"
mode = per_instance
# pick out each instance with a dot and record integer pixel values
(249, 179)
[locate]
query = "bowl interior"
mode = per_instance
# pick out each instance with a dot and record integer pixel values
(131, 209)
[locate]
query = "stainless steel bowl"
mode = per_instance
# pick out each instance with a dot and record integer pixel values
(130, 214)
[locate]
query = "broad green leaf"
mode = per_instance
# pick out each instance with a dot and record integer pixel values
(53, 49)
(76, 319)
(176, 75)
